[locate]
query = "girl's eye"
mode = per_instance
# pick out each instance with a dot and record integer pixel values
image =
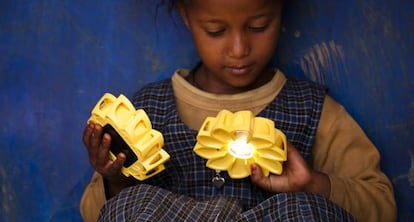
(215, 33)
(257, 28)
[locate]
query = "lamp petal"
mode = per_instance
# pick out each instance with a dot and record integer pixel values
(222, 135)
(264, 130)
(209, 152)
(272, 153)
(209, 141)
(259, 143)
(222, 163)
(240, 169)
(272, 165)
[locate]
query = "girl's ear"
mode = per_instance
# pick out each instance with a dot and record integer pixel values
(183, 14)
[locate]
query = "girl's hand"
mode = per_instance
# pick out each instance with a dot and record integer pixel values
(98, 151)
(296, 177)
(97, 146)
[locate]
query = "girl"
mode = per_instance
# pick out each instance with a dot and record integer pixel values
(332, 169)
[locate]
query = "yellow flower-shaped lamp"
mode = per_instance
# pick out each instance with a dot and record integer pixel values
(233, 141)
(131, 132)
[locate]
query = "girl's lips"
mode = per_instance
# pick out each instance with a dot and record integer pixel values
(238, 70)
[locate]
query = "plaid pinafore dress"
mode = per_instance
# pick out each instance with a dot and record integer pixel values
(184, 191)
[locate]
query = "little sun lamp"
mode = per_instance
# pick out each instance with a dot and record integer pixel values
(233, 141)
(131, 132)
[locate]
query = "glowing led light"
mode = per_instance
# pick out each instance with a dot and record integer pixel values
(131, 129)
(240, 148)
(234, 141)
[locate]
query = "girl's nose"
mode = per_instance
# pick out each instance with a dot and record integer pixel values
(238, 46)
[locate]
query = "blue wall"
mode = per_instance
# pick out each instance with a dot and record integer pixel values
(57, 58)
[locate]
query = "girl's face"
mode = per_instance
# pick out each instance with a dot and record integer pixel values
(235, 40)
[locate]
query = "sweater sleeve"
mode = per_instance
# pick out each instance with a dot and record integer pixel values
(349, 158)
(93, 199)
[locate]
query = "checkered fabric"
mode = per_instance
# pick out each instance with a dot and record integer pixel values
(295, 111)
(150, 203)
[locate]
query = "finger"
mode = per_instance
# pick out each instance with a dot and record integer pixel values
(258, 178)
(119, 162)
(295, 160)
(87, 132)
(297, 170)
(103, 151)
(87, 137)
(113, 168)
(95, 138)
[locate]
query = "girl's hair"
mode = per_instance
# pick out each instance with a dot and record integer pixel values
(171, 4)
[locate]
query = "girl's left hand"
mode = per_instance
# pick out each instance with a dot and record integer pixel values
(296, 176)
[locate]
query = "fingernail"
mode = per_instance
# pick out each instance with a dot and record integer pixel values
(253, 169)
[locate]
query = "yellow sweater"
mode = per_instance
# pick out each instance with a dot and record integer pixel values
(341, 150)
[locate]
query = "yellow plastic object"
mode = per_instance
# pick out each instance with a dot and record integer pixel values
(233, 141)
(141, 143)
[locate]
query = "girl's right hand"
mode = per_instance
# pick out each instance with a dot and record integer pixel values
(98, 150)
(97, 146)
